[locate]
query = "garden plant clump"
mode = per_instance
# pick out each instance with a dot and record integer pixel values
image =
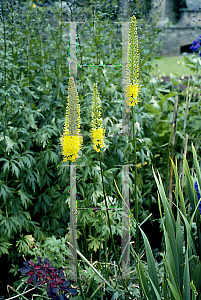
(53, 121)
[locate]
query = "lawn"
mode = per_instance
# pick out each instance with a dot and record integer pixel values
(174, 64)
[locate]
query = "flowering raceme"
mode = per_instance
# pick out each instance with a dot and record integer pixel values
(132, 92)
(132, 88)
(71, 141)
(97, 131)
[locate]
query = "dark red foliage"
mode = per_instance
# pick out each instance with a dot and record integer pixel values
(43, 273)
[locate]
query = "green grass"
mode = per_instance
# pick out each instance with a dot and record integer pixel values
(166, 65)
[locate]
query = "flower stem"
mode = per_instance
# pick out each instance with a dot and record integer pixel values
(72, 220)
(115, 253)
(135, 187)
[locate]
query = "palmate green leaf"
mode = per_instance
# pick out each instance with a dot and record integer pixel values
(31, 121)
(31, 178)
(15, 169)
(30, 93)
(26, 242)
(96, 195)
(94, 242)
(44, 106)
(5, 191)
(95, 172)
(45, 133)
(43, 203)
(151, 265)
(3, 159)
(9, 225)
(45, 177)
(6, 166)
(26, 198)
(26, 159)
(4, 245)
(84, 217)
(9, 144)
(50, 157)
(52, 245)
(24, 219)
(21, 142)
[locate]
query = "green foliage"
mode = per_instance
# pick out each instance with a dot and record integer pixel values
(54, 249)
(32, 106)
(34, 185)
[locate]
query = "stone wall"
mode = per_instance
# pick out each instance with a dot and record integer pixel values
(183, 32)
(173, 39)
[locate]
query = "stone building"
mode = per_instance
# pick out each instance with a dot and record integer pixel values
(176, 37)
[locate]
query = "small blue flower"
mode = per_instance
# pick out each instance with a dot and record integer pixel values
(198, 195)
(195, 46)
(196, 186)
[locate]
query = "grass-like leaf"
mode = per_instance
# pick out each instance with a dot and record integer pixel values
(186, 289)
(151, 264)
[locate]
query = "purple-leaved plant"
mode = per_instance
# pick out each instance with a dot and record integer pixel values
(43, 273)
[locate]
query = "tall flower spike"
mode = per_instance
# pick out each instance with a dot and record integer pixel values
(71, 140)
(132, 88)
(97, 131)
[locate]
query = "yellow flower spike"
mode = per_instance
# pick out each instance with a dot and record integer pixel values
(132, 88)
(132, 92)
(97, 131)
(71, 140)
